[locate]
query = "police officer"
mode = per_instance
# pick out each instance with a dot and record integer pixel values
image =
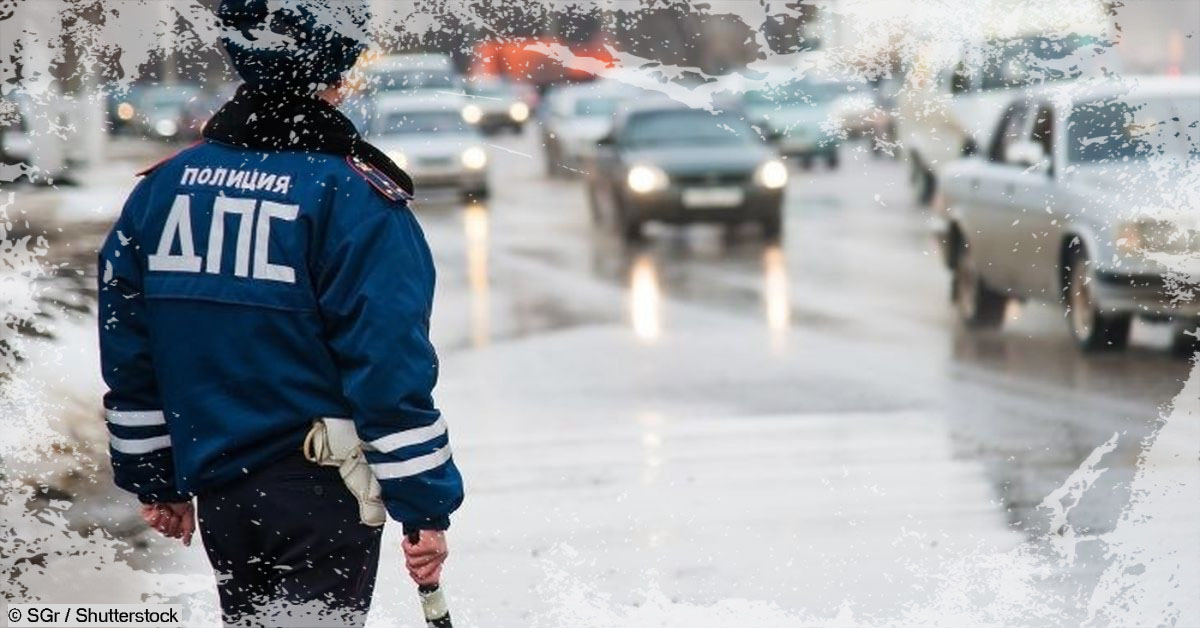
(268, 277)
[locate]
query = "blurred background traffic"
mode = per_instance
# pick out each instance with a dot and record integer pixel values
(957, 265)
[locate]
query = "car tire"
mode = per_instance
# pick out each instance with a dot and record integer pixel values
(1092, 329)
(772, 228)
(593, 203)
(476, 194)
(923, 181)
(806, 161)
(627, 226)
(978, 306)
(831, 158)
(551, 154)
(1184, 344)
(630, 230)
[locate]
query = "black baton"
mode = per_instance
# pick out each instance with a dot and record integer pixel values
(433, 601)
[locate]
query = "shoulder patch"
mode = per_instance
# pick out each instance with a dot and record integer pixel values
(145, 171)
(381, 182)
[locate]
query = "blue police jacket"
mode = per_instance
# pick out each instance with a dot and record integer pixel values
(268, 276)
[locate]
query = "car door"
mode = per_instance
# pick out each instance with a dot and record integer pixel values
(1033, 205)
(989, 229)
(604, 174)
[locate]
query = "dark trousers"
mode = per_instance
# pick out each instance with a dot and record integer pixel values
(288, 548)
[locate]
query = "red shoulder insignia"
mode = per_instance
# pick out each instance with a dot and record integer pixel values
(381, 182)
(146, 171)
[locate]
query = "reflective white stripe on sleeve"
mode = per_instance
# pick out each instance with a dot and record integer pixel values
(404, 438)
(135, 418)
(138, 446)
(406, 468)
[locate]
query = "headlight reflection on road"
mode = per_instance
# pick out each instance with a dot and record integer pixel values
(775, 293)
(652, 443)
(476, 230)
(645, 299)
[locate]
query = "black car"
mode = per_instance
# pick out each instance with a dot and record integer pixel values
(671, 164)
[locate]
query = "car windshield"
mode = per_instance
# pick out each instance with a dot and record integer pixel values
(490, 90)
(1032, 60)
(168, 98)
(686, 127)
(596, 107)
(1119, 129)
(407, 122)
(399, 80)
(799, 93)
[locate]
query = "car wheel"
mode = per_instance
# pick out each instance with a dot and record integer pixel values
(1185, 344)
(1092, 329)
(593, 205)
(923, 181)
(806, 162)
(551, 157)
(832, 159)
(476, 194)
(978, 306)
(628, 226)
(630, 229)
(772, 227)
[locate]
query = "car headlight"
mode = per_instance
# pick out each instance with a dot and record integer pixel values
(474, 158)
(1174, 235)
(165, 128)
(518, 111)
(472, 114)
(125, 111)
(772, 175)
(646, 179)
(1129, 237)
(399, 158)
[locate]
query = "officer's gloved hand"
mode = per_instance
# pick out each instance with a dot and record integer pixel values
(424, 559)
(175, 520)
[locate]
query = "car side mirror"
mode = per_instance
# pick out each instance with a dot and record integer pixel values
(607, 140)
(1027, 155)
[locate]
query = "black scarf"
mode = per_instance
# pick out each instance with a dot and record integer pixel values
(287, 121)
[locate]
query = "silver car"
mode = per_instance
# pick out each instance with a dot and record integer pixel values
(429, 139)
(1070, 203)
(494, 104)
(573, 118)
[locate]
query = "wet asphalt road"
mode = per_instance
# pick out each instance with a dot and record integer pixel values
(855, 296)
(836, 348)
(634, 404)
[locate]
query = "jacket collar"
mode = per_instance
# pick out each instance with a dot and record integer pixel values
(262, 120)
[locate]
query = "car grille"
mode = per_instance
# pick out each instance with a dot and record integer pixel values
(1163, 236)
(435, 161)
(712, 178)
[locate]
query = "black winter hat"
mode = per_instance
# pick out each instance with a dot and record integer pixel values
(293, 45)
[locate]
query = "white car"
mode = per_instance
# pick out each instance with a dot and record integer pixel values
(429, 139)
(947, 110)
(799, 118)
(28, 136)
(414, 74)
(573, 118)
(1071, 202)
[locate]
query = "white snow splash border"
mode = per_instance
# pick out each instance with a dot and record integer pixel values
(1145, 583)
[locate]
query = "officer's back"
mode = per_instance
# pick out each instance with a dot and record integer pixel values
(261, 291)
(253, 259)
